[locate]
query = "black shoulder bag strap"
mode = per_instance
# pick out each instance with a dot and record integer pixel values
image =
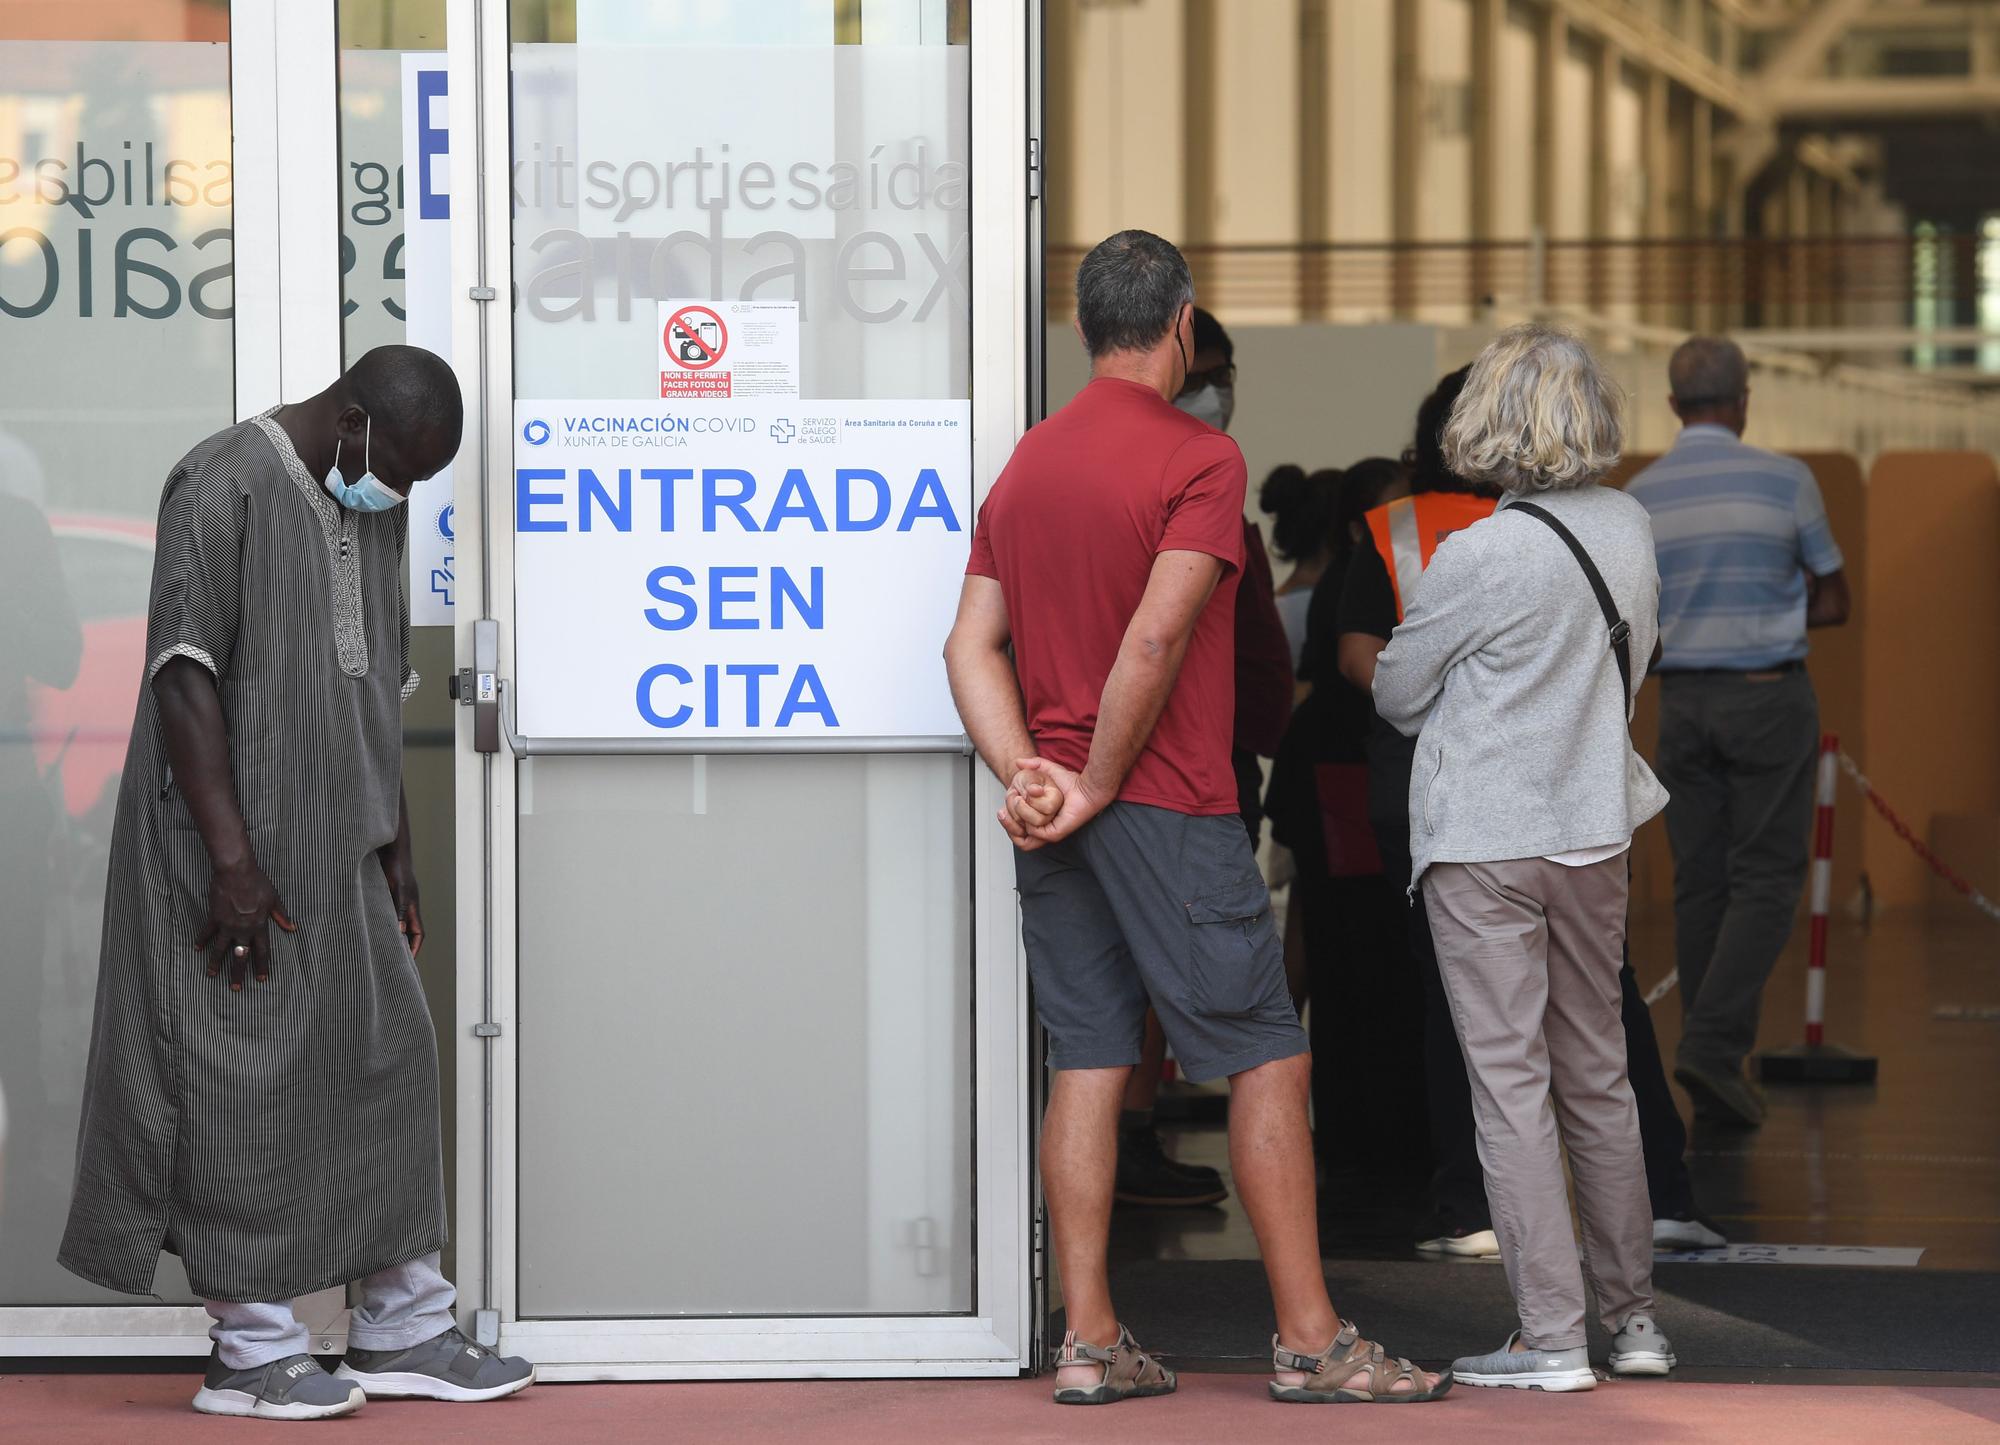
(1621, 630)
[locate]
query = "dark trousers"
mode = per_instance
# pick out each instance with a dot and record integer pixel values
(1458, 1185)
(1736, 755)
(1365, 1022)
(1661, 1133)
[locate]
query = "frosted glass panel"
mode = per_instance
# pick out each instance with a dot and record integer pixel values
(745, 981)
(116, 300)
(746, 1036)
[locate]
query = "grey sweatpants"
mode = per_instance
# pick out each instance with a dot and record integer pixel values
(401, 1306)
(1529, 951)
(1736, 755)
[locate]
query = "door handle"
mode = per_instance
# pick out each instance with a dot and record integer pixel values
(485, 691)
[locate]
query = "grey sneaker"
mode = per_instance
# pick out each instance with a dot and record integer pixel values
(294, 1388)
(1640, 1349)
(1552, 1370)
(444, 1367)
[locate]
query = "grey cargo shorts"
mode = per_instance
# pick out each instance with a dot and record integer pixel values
(1144, 905)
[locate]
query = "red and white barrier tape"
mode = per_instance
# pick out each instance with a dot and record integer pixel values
(1821, 885)
(1936, 864)
(1822, 879)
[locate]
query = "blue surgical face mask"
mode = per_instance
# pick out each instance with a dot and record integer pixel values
(368, 494)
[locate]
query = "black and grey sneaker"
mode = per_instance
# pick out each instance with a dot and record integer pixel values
(444, 1367)
(294, 1388)
(1147, 1176)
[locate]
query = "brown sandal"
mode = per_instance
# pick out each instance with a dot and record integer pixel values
(1329, 1372)
(1129, 1372)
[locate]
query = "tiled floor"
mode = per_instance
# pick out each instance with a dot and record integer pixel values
(1912, 1161)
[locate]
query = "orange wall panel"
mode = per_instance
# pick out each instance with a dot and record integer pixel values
(1931, 646)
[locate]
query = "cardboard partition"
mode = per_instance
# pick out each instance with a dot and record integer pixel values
(1931, 652)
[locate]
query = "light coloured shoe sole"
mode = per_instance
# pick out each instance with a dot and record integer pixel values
(1482, 1244)
(395, 1385)
(1685, 1234)
(246, 1406)
(1643, 1362)
(1556, 1382)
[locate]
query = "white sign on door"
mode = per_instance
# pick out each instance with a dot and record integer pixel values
(762, 568)
(724, 349)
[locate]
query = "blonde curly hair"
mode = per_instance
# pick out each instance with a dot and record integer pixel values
(1538, 414)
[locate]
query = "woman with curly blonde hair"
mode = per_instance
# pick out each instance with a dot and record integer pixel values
(1515, 667)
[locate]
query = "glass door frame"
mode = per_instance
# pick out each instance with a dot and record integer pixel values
(285, 254)
(1006, 303)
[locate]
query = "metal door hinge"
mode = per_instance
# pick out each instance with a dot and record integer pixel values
(1034, 168)
(482, 293)
(486, 1031)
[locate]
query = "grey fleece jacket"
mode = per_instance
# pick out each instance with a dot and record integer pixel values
(1503, 670)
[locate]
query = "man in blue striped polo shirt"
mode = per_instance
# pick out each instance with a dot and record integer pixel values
(1747, 565)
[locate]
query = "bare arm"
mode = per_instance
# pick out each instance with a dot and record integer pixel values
(1828, 601)
(988, 696)
(240, 897)
(983, 684)
(1357, 654)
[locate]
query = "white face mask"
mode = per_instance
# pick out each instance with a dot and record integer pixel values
(1212, 404)
(368, 494)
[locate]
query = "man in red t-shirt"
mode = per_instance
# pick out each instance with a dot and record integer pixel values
(1107, 558)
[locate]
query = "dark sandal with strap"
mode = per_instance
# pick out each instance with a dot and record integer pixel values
(1129, 1372)
(1328, 1374)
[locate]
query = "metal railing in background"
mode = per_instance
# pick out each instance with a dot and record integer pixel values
(1723, 284)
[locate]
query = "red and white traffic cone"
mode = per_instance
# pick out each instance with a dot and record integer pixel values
(1816, 1061)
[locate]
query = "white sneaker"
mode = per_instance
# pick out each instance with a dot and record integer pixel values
(1477, 1244)
(1640, 1349)
(1692, 1233)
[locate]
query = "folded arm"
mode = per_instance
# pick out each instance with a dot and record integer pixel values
(1450, 618)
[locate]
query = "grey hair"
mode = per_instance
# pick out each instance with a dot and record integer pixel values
(1129, 290)
(1708, 371)
(1538, 414)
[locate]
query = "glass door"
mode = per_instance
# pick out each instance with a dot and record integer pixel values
(157, 283)
(749, 1015)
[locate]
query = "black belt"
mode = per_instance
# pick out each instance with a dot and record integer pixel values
(1795, 665)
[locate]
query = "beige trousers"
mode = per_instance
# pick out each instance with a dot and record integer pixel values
(1529, 951)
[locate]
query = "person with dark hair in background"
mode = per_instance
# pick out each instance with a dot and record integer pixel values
(1348, 916)
(275, 1123)
(1091, 664)
(1146, 1173)
(1402, 536)
(1301, 507)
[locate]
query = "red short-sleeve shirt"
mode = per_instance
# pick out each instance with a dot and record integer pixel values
(1070, 531)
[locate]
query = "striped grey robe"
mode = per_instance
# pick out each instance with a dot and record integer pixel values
(283, 1139)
